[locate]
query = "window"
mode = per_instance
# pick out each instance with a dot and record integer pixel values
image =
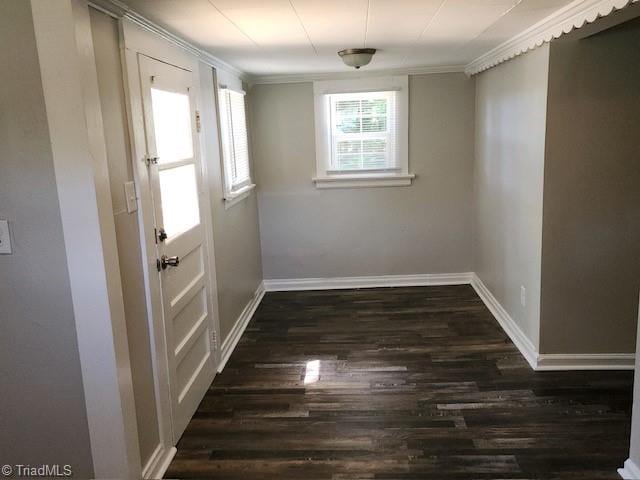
(361, 132)
(235, 148)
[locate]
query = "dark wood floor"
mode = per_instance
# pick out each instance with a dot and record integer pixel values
(414, 383)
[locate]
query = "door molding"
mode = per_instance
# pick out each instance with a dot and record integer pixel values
(65, 50)
(135, 41)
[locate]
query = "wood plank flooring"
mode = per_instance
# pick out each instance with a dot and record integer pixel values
(402, 383)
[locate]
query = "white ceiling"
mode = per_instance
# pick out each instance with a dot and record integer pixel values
(267, 37)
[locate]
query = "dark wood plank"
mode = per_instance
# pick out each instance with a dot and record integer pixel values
(414, 383)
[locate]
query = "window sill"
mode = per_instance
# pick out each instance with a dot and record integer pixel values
(364, 181)
(237, 196)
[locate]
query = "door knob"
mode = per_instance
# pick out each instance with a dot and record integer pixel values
(165, 262)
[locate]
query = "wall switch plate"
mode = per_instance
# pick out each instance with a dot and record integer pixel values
(130, 196)
(523, 296)
(5, 238)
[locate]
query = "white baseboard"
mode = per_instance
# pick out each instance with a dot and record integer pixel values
(336, 283)
(630, 471)
(511, 328)
(229, 343)
(586, 361)
(159, 462)
(546, 361)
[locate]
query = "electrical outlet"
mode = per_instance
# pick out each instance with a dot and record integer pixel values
(523, 296)
(5, 238)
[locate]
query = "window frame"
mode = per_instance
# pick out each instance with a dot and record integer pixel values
(231, 195)
(326, 175)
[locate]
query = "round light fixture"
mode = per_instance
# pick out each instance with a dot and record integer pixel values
(356, 57)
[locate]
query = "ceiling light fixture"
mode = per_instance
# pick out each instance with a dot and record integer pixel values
(356, 57)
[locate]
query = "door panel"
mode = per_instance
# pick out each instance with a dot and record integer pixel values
(191, 308)
(175, 176)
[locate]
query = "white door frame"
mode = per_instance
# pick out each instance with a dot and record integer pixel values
(70, 87)
(137, 40)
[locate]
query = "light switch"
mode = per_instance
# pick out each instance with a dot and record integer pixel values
(130, 195)
(5, 238)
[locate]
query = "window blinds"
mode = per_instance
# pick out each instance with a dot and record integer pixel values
(363, 131)
(236, 149)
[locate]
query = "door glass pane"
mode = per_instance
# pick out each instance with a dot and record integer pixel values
(179, 192)
(172, 125)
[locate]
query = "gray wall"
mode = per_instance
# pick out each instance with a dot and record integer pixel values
(509, 165)
(236, 233)
(42, 408)
(423, 228)
(107, 52)
(591, 228)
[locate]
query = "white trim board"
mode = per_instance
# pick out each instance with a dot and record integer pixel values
(630, 471)
(575, 15)
(508, 324)
(586, 361)
(159, 462)
(229, 343)
(70, 90)
(314, 77)
(337, 283)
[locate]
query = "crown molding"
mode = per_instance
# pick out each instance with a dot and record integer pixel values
(575, 15)
(118, 9)
(313, 77)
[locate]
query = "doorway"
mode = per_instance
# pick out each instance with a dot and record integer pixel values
(176, 186)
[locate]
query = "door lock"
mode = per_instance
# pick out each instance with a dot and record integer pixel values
(162, 235)
(165, 262)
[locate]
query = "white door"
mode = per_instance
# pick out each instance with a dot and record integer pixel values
(176, 185)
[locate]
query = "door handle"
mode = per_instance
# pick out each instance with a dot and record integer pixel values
(165, 262)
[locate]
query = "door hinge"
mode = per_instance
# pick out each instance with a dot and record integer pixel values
(151, 161)
(198, 122)
(214, 340)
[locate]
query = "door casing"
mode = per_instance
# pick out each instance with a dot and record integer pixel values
(137, 41)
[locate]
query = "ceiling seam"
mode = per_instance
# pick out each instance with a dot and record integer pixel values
(366, 23)
(406, 57)
(502, 15)
(303, 27)
(234, 24)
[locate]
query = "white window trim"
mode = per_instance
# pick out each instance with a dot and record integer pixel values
(328, 178)
(231, 196)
